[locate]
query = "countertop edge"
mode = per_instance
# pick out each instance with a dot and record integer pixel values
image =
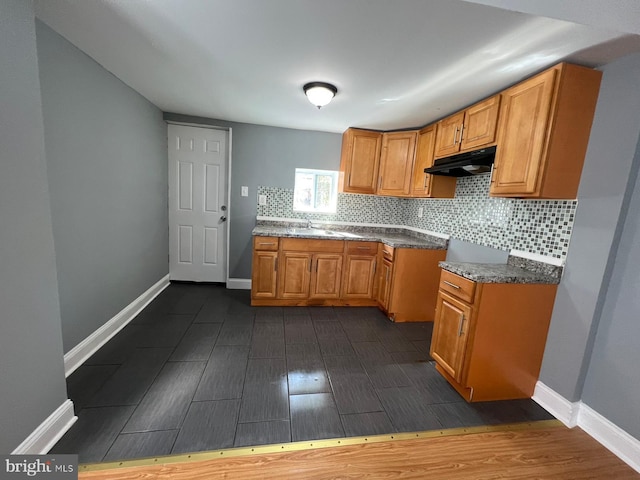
(406, 240)
(498, 273)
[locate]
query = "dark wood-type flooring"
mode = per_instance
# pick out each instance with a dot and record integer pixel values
(200, 369)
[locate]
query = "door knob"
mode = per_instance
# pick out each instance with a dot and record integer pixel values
(223, 208)
(223, 218)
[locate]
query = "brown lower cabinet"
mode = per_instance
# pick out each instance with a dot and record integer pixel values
(403, 282)
(488, 338)
(408, 283)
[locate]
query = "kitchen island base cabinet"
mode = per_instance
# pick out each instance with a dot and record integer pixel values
(491, 348)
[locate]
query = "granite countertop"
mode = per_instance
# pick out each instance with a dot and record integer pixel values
(392, 237)
(510, 272)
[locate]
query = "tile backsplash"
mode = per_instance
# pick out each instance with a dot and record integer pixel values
(542, 227)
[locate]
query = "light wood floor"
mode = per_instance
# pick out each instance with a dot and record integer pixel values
(545, 451)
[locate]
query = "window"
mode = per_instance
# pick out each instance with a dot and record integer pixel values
(315, 191)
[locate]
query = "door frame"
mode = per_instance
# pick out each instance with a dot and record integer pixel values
(228, 180)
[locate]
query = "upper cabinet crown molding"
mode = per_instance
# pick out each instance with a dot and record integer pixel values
(544, 129)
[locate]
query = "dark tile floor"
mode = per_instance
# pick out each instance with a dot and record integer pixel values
(200, 369)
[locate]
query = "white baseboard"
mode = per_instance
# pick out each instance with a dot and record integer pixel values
(557, 405)
(572, 414)
(81, 352)
(239, 284)
(623, 445)
(47, 434)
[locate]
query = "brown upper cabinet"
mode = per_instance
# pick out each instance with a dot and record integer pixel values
(470, 129)
(396, 162)
(423, 184)
(360, 161)
(544, 129)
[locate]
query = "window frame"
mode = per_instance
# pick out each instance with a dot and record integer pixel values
(333, 194)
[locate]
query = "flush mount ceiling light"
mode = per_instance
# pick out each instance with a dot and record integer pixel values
(320, 93)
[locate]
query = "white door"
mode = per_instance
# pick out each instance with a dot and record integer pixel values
(197, 203)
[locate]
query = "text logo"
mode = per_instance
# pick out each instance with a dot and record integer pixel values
(50, 467)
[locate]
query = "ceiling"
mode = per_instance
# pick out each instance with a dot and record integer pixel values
(396, 63)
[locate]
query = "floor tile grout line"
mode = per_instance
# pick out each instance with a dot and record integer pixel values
(117, 435)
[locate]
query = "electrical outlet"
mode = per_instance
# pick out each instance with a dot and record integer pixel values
(244, 191)
(262, 199)
(420, 212)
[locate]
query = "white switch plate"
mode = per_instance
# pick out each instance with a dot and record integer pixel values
(420, 212)
(244, 191)
(262, 199)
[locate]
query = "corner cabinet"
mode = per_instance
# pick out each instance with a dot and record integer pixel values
(489, 338)
(544, 129)
(424, 184)
(470, 129)
(360, 161)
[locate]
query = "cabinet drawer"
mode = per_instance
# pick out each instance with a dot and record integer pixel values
(312, 245)
(457, 286)
(362, 248)
(265, 243)
(387, 252)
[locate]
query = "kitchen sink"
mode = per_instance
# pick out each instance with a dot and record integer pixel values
(319, 232)
(313, 232)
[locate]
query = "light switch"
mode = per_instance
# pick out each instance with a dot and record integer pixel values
(262, 199)
(244, 191)
(420, 212)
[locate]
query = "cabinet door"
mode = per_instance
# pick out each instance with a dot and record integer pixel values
(448, 135)
(423, 184)
(384, 285)
(396, 163)
(480, 124)
(359, 276)
(360, 161)
(263, 274)
(326, 275)
(524, 122)
(450, 333)
(295, 271)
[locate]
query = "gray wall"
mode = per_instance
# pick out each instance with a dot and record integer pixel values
(31, 367)
(612, 385)
(106, 150)
(581, 294)
(266, 156)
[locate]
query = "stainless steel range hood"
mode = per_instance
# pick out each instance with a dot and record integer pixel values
(464, 164)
